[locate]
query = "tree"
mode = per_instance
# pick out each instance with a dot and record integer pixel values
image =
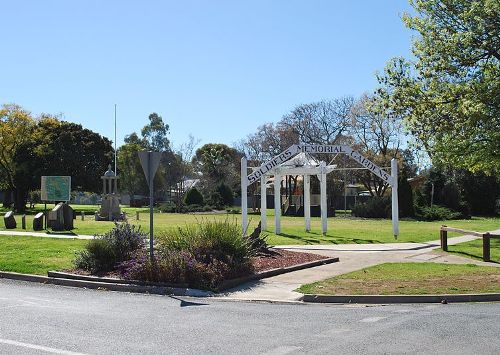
(132, 178)
(321, 122)
(194, 197)
(218, 164)
(61, 148)
(16, 127)
(376, 131)
(155, 134)
(153, 138)
(450, 94)
(269, 141)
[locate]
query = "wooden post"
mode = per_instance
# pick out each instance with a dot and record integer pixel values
(83, 216)
(486, 247)
(23, 221)
(137, 215)
(307, 201)
(444, 239)
(277, 203)
(263, 203)
(244, 196)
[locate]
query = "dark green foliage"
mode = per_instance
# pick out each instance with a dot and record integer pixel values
(436, 213)
(479, 191)
(216, 200)
(105, 251)
(375, 207)
(226, 194)
(405, 197)
(97, 256)
(193, 197)
(169, 207)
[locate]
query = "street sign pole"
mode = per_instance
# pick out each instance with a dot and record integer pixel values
(151, 194)
(150, 162)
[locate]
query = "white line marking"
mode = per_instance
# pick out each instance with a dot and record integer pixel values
(372, 319)
(282, 350)
(38, 347)
(333, 331)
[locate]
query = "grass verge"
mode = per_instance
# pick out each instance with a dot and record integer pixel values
(474, 249)
(410, 279)
(31, 255)
(340, 230)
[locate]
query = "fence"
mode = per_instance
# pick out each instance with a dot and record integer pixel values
(443, 234)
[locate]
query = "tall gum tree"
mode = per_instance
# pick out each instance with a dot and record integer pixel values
(16, 128)
(449, 94)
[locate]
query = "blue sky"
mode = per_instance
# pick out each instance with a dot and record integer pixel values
(214, 69)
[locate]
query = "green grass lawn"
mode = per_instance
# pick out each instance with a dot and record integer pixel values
(410, 278)
(30, 255)
(340, 229)
(474, 249)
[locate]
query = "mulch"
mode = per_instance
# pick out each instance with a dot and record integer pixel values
(279, 258)
(273, 259)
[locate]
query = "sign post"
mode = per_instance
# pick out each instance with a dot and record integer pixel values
(54, 188)
(150, 162)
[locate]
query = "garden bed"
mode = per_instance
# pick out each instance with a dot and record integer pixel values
(272, 263)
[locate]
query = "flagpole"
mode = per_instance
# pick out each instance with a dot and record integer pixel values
(116, 172)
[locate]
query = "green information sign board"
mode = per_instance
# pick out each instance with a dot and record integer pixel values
(56, 188)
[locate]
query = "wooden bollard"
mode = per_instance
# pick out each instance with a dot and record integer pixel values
(137, 215)
(23, 221)
(83, 216)
(444, 239)
(486, 247)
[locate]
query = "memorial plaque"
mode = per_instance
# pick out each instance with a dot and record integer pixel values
(9, 220)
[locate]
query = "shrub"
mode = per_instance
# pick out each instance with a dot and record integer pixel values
(436, 213)
(375, 207)
(97, 256)
(168, 207)
(201, 255)
(216, 200)
(193, 197)
(105, 251)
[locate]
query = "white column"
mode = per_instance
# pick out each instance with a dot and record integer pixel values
(103, 186)
(277, 203)
(324, 212)
(395, 205)
(244, 200)
(307, 201)
(263, 203)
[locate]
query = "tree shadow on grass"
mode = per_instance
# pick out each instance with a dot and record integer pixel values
(472, 256)
(328, 239)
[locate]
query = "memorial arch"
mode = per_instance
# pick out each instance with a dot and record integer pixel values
(276, 167)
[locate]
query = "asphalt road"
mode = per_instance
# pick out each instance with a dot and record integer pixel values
(45, 319)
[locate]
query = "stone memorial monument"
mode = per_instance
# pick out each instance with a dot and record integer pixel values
(9, 220)
(61, 217)
(110, 206)
(38, 221)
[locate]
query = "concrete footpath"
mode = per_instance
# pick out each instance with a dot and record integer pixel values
(47, 235)
(352, 257)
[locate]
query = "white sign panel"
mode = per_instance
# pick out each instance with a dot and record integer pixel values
(327, 149)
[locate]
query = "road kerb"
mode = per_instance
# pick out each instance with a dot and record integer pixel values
(383, 299)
